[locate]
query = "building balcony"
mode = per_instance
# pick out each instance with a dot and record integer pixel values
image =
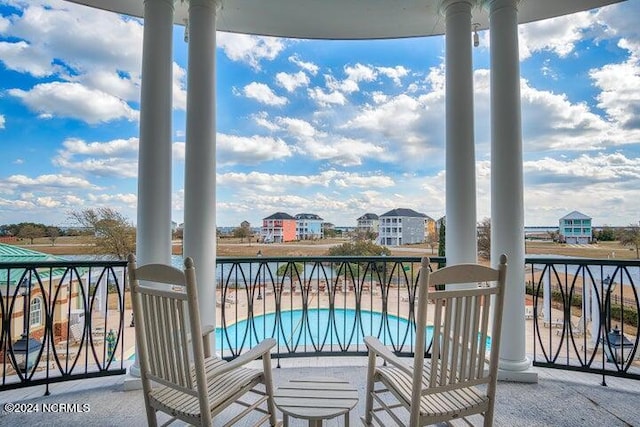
(572, 308)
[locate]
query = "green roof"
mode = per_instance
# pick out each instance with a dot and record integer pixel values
(17, 254)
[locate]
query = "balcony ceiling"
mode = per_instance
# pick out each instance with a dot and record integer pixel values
(344, 19)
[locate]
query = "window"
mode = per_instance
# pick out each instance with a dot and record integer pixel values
(35, 313)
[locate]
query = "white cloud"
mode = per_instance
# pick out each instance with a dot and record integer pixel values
(558, 35)
(75, 101)
(292, 81)
(249, 49)
(360, 73)
(179, 85)
(2, 121)
(307, 66)
(117, 158)
(20, 57)
(52, 45)
(233, 149)
(50, 181)
(324, 99)
(620, 91)
(262, 119)
(394, 73)
(263, 94)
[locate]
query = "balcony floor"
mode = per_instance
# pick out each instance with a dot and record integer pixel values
(560, 398)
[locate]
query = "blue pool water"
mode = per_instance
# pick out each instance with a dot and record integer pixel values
(319, 329)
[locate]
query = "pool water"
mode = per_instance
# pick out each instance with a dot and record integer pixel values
(321, 328)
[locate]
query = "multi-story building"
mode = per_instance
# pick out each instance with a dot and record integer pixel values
(309, 226)
(430, 227)
(278, 228)
(401, 227)
(575, 228)
(369, 222)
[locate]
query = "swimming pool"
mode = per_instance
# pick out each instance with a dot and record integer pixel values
(321, 328)
(318, 329)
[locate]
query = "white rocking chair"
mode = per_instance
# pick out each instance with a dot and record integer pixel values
(443, 388)
(192, 386)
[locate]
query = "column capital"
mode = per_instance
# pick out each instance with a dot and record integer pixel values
(458, 5)
(499, 4)
(217, 4)
(171, 3)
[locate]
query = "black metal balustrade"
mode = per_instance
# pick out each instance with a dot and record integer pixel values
(61, 321)
(316, 305)
(585, 314)
(66, 320)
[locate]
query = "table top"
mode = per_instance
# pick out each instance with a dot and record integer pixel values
(316, 397)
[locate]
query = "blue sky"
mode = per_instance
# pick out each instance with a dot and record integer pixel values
(336, 128)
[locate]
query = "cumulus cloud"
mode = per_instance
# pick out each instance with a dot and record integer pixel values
(557, 35)
(249, 49)
(117, 158)
(292, 81)
(619, 95)
(310, 67)
(394, 73)
(325, 99)
(24, 183)
(263, 94)
(2, 121)
(75, 101)
(251, 150)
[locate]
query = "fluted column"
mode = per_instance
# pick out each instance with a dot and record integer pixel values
(153, 241)
(460, 185)
(200, 154)
(507, 200)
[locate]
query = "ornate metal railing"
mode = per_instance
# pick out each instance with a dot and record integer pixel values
(61, 320)
(74, 314)
(585, 314)
(316, 305)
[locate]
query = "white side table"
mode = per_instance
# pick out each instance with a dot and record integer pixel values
(316, 399)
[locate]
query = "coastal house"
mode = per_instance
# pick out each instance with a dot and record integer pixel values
(278, 228)
(401, 227)
(369, 222)
(309, 226)
(575, 228)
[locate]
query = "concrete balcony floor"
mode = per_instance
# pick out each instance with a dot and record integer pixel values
(560, 398)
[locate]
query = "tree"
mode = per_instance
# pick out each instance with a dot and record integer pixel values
(242, 232)
(359, 248)
(30, 231)
(52, 233)
(606, 234)
(112, 231)
(432, 240)
(442, 251)
(630, 236)
(484, 238)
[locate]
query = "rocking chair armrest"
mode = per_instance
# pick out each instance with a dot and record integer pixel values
(261, 350)
(206, 341)
(376, 347)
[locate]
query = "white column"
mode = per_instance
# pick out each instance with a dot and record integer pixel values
(460, 185)
(200, 154)
(507, 200)
(153, 237)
